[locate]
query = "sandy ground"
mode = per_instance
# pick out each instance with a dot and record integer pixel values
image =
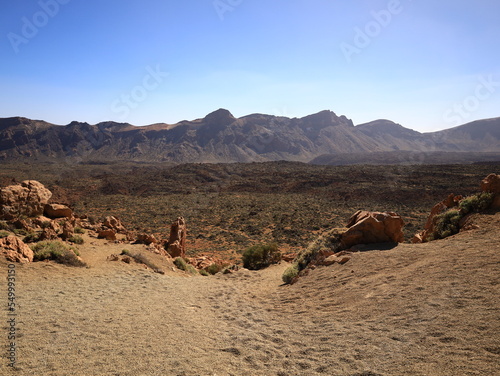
(429, 309)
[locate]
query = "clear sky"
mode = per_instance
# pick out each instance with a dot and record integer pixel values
(426, 64)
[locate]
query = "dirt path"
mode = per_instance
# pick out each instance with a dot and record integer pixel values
(429, 309)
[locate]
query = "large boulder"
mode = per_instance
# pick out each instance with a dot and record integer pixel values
(58, 211)
(372, 227)
(15, 250)
(177, 238)
(28, 198)
(108, 234)
(491, 184)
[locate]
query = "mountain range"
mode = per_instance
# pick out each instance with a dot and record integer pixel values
(323, 138)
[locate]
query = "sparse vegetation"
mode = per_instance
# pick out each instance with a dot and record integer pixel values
(57, 251)
(448, 223)
(76, 239)
(4, 234)
(214, 269)
(476, 203)
(204, 273)
(20, 232)
(328, 241)
(231, 207)
(4, 225)
(183, 265)
(79, 230)
(141, 259)
(261, 256)
(290, 273)
(32, 237)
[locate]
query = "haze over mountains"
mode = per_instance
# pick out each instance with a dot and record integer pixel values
(323, 138)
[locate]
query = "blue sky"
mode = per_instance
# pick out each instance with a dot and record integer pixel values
(425, 64)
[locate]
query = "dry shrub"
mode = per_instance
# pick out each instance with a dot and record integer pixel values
(57, 251)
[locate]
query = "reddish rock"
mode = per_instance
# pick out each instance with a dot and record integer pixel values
(330, 260)
(146, 239)
(450, 202)
(58, 211)
(372, 227)
(115, 224)
(28, 198)
(321, 256)
(15, 250)
(343, 259)
(107, 234)
(334, 259)
(288, 257)
(68, 230)
(42, 221)
(491, 184)
(23, 224)
(48, 234)
(203, 262)
(177, 239)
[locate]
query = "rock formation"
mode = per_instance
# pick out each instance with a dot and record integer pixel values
(28, 198)
(491, 184)
(15, 250)
(115, 224)
(372, 227)
(146, 239)
(58, 211)
(177, 238)
(108, 234)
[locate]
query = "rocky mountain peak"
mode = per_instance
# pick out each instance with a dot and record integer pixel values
(325, 119)
(220, 117)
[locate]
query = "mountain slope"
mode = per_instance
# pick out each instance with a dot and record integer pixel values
(220, 137)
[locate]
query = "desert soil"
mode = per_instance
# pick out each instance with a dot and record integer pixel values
(430, 309)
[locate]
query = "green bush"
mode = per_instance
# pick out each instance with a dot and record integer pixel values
(76, 239)
(204, 273)
(447, 224)
(476, 203)
(20, 232)
(329, 241)
(261, 256)
(56, 251)
(79, 230)
(4, 234)
(214, 269)
(32, 237)
(290, 273)
(4, 225)
(183, 265)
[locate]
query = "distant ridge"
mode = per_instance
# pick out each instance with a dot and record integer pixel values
(323, 138)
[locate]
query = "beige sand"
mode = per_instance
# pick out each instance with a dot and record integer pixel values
(429, 309)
